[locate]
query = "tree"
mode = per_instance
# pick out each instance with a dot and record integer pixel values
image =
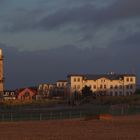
(137, 92)
(86, 91)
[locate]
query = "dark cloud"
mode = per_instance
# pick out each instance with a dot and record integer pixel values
(1, 1)
(85, 14)
(31, 68)
(90, 15)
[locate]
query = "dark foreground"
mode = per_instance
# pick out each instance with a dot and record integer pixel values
(119, 128)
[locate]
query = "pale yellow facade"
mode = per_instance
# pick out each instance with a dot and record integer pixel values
(111, 85)
(61, 84)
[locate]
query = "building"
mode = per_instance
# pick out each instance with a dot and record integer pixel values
(61, 88)
(103, 84)
(45, 91)
(27, 94)
(9, 95)
(61, 83)
(1, 72)
(52, 90)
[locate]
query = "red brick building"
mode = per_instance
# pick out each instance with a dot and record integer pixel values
(27, 94)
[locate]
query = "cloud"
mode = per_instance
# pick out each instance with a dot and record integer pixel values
(85, 14)
(29, 68)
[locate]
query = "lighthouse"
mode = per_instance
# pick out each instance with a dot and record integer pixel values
(1, 72)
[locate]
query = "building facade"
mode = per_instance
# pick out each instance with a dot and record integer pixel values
(27, 94)
(104, 84)
(9, 95)
(45, 90)
(1, 72)
(61, 88)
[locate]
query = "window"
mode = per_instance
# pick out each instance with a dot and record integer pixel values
(131, 79)
(120, 93)
(101, 86)
(62, 84)
(127, 79)
(78, 87)
(116, 87)
(111, 87)
(27, 94)
(74, 79)
(111, 93)
(12, 93)
(116, 93)
(127, 86)
(94, 86)
(131, 86)
(105, 86)
(78, 79)
(120, 86)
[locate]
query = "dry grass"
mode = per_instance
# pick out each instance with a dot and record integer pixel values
(119, 128)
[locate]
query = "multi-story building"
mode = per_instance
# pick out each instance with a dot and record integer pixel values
(1, 72)
(59, 89)
(103, 84)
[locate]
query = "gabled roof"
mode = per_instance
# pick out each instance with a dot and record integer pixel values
(34, 89)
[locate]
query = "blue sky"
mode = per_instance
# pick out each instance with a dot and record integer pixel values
(108, 28)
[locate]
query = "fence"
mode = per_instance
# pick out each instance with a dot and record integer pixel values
(66, 114)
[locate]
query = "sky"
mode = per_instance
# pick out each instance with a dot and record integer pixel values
(44, 40)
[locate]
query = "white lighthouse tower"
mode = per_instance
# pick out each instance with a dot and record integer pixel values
(1, 72)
